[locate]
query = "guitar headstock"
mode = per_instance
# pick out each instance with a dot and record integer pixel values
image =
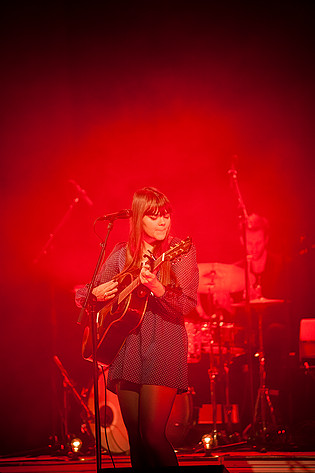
(177, 250)
(170, 255)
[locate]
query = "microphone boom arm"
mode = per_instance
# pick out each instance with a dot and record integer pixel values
(241, 204)
(52, 235)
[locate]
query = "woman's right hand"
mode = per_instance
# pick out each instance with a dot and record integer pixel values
(105, 291)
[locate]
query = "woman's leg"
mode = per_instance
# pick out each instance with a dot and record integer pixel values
(155, 407)
(129, 406)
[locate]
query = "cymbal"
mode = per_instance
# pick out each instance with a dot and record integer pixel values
(261, 301)
(215, 277)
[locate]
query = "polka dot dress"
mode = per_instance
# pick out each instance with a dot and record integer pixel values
(156, 352)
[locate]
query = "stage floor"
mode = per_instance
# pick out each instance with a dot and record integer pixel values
(241, 461)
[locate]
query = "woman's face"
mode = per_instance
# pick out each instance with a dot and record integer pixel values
(155, 227)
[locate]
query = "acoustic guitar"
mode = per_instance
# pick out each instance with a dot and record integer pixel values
(123, 314)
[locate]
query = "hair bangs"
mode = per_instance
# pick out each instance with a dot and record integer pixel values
(159, 209)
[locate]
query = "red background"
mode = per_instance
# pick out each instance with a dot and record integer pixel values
(121, 95)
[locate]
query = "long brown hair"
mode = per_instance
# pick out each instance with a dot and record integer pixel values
(147, 201)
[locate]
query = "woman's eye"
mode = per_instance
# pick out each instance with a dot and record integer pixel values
(155, 217)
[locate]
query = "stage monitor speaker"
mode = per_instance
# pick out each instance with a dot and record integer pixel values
(307, 341)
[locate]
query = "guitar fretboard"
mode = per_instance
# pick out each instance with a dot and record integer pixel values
(136, 282)
(128, 290)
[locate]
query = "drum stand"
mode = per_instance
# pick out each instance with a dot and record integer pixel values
(213, 373)
(227, 405)
(263, 399)
(227, 411)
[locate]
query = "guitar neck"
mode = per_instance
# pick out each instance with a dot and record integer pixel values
(136, 282)
(128, 290)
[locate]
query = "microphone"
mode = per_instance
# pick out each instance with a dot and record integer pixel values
(125, 213)
(81, 191)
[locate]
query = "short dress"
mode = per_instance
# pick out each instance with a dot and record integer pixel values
(155, 352)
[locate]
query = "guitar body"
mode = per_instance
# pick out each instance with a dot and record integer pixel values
(115, 321)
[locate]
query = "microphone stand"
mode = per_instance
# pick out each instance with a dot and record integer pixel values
(244, 216)
(52, 235)
(89, 306)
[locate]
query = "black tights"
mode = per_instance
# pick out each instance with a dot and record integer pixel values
(145, 411)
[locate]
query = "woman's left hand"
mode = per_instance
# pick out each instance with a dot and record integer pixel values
(150, 280)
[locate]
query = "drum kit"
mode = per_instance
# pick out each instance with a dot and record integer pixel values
(212, 331)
